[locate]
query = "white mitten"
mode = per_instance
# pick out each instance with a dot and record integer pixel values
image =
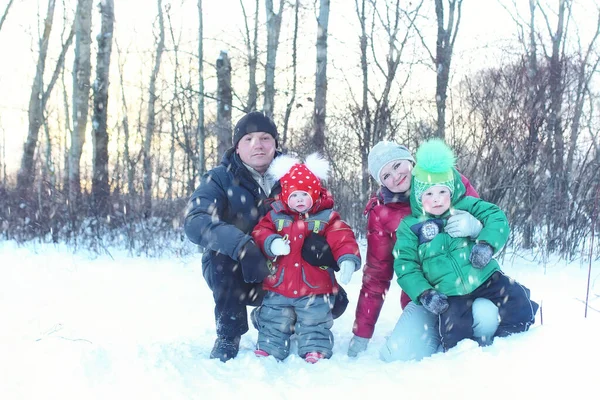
(280, 247)
(463, 224)
(346, 271)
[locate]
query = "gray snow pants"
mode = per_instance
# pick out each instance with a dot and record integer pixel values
(308, 317)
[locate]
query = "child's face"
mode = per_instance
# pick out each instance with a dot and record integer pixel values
(436, 200)
(395, 175)
(300, 201)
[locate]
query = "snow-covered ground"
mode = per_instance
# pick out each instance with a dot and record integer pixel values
(111, 327)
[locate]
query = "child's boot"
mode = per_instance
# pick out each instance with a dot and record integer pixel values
(313, 357)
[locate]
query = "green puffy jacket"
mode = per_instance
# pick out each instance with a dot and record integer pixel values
(443, 263)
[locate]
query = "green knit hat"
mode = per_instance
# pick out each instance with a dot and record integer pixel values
(435, 166)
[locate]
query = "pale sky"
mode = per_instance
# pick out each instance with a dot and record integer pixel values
(485, 27)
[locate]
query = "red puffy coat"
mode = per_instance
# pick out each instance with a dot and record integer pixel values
(293, 276)
(385, 210)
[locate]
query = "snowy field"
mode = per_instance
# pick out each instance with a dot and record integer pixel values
(116, 327)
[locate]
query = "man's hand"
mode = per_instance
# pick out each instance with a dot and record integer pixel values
(253, 263)
(463, 224)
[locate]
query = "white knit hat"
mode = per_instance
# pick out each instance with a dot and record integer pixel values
(384, 152)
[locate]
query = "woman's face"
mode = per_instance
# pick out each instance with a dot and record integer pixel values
(395, 175)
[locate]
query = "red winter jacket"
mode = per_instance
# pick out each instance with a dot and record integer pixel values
(385, 210)
(294, 277)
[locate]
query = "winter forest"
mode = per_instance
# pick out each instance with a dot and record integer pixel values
(111, 111)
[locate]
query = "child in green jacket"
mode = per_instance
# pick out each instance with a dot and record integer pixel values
(447, 274)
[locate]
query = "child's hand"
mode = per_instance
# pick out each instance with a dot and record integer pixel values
(346, 271)
(280, 247)
(481, 254)
(434, 301)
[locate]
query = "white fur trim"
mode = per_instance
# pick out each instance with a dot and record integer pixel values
(318, 166)
(281, 165)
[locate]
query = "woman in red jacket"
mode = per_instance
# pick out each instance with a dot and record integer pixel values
(415, 335)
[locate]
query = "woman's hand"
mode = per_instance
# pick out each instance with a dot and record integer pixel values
(463, 224)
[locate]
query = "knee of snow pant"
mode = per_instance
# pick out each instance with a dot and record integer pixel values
(515, 308)
(414, 337)
(485, 319)
(456, 323)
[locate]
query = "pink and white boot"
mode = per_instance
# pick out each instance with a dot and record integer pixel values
(313, 357)
(261, 353)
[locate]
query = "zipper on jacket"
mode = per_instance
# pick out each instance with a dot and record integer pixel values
(456, 267)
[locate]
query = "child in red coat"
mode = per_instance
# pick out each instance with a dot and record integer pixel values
(300, 294)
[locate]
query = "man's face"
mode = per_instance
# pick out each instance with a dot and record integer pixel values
(436, 200)
(257, 149)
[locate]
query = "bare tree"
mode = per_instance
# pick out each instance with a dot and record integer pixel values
(273, 29)
(292, 96)
(371, 115)
(201, 131)
(6, 10)
(150, 123)
(82, 70)
(129, 162)
(100, 187)
(252, 54)
(36, 109)
(320, 111)
(447, 31)
(446, 37)
(224, 99)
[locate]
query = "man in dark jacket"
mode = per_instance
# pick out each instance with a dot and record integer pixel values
(221, 215)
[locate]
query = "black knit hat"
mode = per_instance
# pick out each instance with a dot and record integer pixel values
(255, 121)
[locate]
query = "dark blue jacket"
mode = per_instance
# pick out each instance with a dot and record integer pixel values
(223, 210)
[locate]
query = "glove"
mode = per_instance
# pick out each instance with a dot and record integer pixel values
(434, 301)
(253, 263)
(280, 247)
(463, 224)
(481, 254)
(340, 303)
(316, 251)
(357, 345)
(346, 271)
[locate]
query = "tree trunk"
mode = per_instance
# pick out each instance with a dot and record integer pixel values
(446, 36)
(320, 112)
(26, 173)
(201, 130)
(128, 162)
(292, 99)
(100, 187)
(147, 157)
(273, 29)
(224, 98)
(6, 10)
(252, 54)
(365, 113)
(82, 70)
(558, 216)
